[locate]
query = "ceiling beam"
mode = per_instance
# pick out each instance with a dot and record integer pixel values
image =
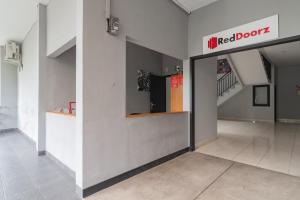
(180, 5)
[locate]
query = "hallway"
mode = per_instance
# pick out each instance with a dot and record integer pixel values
(265, 145)
(26, 176)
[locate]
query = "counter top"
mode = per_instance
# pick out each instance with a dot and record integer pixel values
(140, 115)
(62, 114)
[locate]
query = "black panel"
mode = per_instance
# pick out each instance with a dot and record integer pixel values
(158, 94)
(268, 68)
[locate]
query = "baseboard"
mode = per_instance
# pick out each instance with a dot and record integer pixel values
(105, 184)
(8, 130)
(289, 121)
(61, 165)
(42, 153)
(245, 120)
(206, 141)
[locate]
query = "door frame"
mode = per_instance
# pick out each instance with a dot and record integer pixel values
(234, 50)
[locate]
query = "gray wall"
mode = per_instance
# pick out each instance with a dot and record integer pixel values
(226, 14)
(156, 24)
(57, 78)
(8, 93)
(139, 58)
(240, 106)
(9, 82)
(28, 86)
(61, 80)
(288, 102)
(104, 134)
(61, 26)
(205, 100)
(43, 83)
(169, 65)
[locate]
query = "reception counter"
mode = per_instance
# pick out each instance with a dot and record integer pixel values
(61, 138)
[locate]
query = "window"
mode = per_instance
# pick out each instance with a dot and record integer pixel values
(261, 95)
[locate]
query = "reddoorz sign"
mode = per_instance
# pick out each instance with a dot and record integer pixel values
(252, 33)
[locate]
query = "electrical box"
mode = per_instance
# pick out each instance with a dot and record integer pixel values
(113, 26)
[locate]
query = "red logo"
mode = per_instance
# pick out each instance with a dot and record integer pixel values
(213, 43)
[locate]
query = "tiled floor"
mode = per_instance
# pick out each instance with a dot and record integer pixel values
(195, 176)
(26, 176)
(265, 145)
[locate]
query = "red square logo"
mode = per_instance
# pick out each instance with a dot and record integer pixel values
(213, 43)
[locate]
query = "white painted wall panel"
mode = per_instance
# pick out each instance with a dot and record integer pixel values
(60, 138)
(250, 68)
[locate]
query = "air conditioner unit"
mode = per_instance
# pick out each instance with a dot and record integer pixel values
(13, 53)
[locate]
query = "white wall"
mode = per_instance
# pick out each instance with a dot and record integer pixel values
(205, 100)
(250, 67)
(61, 26)
(186, 85)
(107, 135)
(60, 138)
(226, 14)
(28, 86)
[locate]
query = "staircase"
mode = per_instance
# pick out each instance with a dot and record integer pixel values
(227, 86)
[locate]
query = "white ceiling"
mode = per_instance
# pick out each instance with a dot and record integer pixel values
(192, 5)
(284, 54)
(16, 18)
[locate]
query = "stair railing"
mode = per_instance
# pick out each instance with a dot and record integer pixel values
(225, 83)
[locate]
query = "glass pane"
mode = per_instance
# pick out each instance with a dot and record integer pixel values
(261, 95)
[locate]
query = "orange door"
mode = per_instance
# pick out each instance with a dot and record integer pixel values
(177, 93)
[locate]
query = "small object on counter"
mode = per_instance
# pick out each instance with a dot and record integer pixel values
(72, 107)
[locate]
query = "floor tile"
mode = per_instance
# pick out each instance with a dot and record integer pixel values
(251, 183)
(266, 145)
(278, 158)
(227, 147)
(295, 161)
(26, 176)
(254, 152)
(179, 179)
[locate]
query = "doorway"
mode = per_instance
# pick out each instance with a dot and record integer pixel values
(254, 126)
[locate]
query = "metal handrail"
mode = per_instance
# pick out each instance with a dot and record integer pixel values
(225, 83)
(224, 75)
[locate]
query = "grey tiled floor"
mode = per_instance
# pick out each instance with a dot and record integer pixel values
(195, 176)
(26, 176)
